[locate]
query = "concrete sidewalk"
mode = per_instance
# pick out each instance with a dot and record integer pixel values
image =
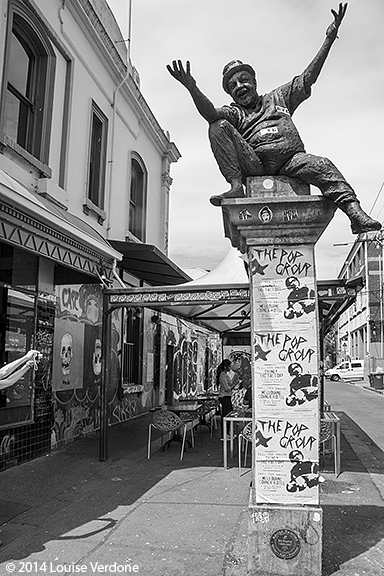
(164, 517)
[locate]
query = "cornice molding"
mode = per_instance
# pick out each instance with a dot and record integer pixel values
(27, 232)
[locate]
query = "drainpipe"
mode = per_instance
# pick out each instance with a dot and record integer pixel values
(115, 274)
(114, 111)
(368, 344)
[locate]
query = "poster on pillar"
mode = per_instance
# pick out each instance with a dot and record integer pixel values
(283, 286)
(285, 372)
(287, 469)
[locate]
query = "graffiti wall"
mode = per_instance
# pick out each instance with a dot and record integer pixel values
(195, 355)
(76, 366)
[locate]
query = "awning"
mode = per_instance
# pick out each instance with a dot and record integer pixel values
(224, 306)
(148, 263)
(32, 222)
(335, 297)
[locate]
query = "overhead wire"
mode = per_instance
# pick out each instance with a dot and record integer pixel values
(376, 199)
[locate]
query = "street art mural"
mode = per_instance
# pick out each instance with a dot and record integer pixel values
(196, 354)
(76, 369)
(240, 356)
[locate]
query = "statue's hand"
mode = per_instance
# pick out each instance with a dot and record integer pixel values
(182, 75)
(338, 17)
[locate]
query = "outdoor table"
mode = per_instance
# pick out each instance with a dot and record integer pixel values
(207, 396)
(232, 417)
(183, 407)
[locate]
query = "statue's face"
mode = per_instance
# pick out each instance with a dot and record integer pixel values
(242, 87)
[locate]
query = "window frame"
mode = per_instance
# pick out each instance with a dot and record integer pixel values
(34, 37)
(96, 202)
(133, 230)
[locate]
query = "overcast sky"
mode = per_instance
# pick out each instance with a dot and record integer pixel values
(343, 119)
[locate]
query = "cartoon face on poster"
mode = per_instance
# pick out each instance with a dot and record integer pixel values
(287, 469)
(285, 371)
(68, 352)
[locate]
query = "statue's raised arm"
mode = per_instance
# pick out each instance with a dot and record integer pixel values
(311, 73)
(333, 28)
(184, 76)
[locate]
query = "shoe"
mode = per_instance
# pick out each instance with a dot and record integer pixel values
(236, 193)
(360, 221)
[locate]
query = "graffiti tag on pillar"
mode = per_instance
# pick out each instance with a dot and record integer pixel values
(290, 215)
(265, 215)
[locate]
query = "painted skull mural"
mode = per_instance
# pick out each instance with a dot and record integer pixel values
(66, 353)
(96, 357)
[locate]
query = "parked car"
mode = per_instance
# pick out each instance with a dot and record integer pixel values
(353, 369)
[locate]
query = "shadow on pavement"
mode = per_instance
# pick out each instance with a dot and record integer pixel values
(348, 532)
(353, 509)
(70, 495)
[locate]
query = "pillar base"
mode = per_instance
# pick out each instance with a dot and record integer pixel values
(284, 541)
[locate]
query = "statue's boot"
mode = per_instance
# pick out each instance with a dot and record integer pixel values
(360, 221)
(234, 192)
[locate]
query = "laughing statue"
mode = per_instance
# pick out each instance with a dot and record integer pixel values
(256, 136)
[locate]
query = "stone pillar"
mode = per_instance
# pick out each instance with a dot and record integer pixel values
(277, 226)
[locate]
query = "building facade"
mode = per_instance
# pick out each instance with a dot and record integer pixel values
(84, 204)
(360, 327)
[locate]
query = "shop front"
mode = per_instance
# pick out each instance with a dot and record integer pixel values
(50, 300)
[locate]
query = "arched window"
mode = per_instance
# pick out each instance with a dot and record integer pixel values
(138, 199)
(26, 106)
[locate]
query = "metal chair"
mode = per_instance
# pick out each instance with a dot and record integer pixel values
(330, 432)
(168, 423)
(246, 435)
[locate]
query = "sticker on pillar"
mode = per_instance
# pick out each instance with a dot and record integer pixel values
(265, 215)
(285, 544)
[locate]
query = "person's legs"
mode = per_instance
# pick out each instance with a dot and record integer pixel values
(323, 174)
(235, 157)
(226, 408)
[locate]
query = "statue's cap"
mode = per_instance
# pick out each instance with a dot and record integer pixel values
(232, 67)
